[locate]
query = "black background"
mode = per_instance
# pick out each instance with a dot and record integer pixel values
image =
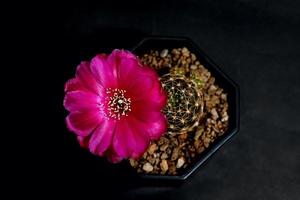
(256, 42)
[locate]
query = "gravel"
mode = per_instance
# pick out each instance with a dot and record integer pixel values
(174, 152)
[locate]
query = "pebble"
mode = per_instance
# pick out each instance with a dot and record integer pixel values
(224, 97)
(224, 119)
(164, 156)
(164, 165)
(193, 67)
(164, 53)
(180, 162)
(212, 89)
(193, 56)
(185, 52)
(147, 167)
(156, 161)
(152, 148)
(156, 155)
(200, 149)
(154, 62)
(163, 140)
(164, 147)
(172, 168)
(214, 113)
(151, 159)
(174, 141)
(197, 143)
(174, 154)
(175, 51)
(182, 136)
(206, 142)
(133, 163)
(198, 133)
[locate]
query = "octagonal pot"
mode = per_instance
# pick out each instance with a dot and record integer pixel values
(229, 86)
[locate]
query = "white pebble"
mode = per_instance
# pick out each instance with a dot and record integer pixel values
(164, 53)
(147, 167)
(180, 162)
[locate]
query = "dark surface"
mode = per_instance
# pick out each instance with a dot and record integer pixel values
(256, 43)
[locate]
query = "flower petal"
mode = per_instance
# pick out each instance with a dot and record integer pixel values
(127, 66)
(145, 110)
(113, 156)
(83, 141)
(81, 100)
(102, 137)
(142, 139)
(154, 124)
(146, 87)
(158, 128)
(73, 85)
(104, 73)
(122, 139)
(158, 96)
(83, 123)
(85, 95)
(140, 87)
(128, 142)
(84, 74)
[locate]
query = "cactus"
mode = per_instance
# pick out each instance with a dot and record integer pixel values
(185, 103)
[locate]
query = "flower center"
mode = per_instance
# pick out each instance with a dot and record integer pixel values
(118, 105)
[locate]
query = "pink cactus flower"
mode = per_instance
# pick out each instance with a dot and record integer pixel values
(115, 106)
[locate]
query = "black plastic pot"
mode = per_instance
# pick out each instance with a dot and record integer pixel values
(231, 88)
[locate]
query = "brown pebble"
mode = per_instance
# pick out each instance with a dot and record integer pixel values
(197, 143)
(164, 156)
(200, 149)
(185, 52)
(164, 147)
(175, 51)
(151, 159)
(133, 163)
(214, 114)
(172, 168)
(169, 151)
(174, 141)
(157, 161)
(175, 154)
(152, 148)
(154, 62)
(198, 133)
(193, 57)
(193, 67)
(182, 136)
(145, 155)
(163, 140)
(206, 142)
(224, 97)
(164, 165)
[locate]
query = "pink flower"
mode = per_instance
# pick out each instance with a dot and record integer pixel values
(115, 106)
